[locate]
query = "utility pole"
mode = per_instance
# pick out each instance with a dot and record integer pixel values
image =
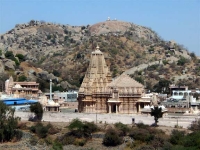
(50, 96)
(96, 111)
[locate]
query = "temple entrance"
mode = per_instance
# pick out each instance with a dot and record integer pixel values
(113, 108)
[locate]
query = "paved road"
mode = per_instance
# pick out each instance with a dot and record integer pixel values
(169, 120)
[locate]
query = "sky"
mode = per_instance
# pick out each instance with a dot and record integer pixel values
(177, 20)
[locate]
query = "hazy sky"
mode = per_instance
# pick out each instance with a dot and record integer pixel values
(177, 20)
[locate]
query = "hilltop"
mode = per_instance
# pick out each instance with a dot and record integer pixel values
(39, 50)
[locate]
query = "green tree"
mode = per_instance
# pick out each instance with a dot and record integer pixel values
(22, 78)
(37, 110)
(8, 123)
(157, 113)
(0, 52)
(162, 86)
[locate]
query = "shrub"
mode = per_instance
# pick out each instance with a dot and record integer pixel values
(66, 140)
(18, 135)
(48, 140)
(9, 55)
(76, 124)
(90, 127)
(22, 78)
(20, 57)
(48, 36)
(176, 136)
(145, 147)
(53, 130)
(141, 135)
(165, 62)
(111, 138)
(56, 73)
(40, 130)
(33, 141)
(192, 140)
(142, 125)
(122, 127)
(80, 142)
(57, 146)
(195, 126)
(182, 61)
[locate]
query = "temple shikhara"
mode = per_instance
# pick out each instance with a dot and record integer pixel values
(100, 94)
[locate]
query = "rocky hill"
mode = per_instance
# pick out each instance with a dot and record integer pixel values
(41, 51)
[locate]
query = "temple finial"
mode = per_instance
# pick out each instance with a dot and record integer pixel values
(97, 47)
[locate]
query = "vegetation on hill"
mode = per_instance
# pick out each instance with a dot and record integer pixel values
(62, 53)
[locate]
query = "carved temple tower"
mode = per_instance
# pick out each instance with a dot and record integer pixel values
(99, 94)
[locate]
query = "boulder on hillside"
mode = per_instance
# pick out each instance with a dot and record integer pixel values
(44, 75)
(9, 64)
(65, 85)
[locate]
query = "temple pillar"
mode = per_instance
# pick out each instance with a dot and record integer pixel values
(109, 108)
(134, 108)
(116, 109)
(138, 107)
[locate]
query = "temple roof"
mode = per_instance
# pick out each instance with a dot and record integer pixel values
(125, 81)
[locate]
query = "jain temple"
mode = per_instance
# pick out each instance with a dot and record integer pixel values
(100, 94)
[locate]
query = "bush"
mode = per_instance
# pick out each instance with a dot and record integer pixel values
(182, 61)
(176, 136)
(48, 140)
(122, 127)
(10, 55)
(56, 73)
(141, 135)
(20, 57)
(67, 140)
(76, 124)
(22, 78)
(33, 141)
(90, 127)
(57, 146)
(142, 125)
(195, 126)
(40, 130)
(111, 138)
(18, 135)
(80, 142)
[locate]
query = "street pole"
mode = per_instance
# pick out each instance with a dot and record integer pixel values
(96, 111)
